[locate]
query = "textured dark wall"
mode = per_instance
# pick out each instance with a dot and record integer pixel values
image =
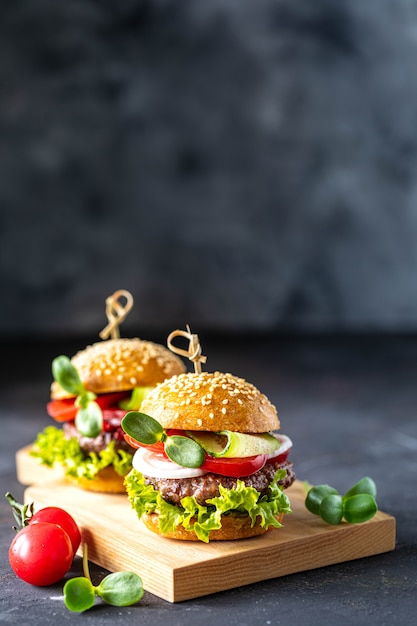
(234, 164)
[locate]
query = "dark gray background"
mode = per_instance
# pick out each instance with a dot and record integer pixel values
(237, 165)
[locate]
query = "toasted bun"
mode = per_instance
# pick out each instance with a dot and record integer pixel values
(106, 480)
(210, 401)
(120, 365)
(233, 527)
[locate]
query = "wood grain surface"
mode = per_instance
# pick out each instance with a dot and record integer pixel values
(176, 571)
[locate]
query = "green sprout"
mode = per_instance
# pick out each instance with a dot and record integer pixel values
(117, 589)
(145, 429)
(357, 505)
(89, 418)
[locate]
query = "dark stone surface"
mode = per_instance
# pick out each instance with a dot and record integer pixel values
(236, 165)
(348, 403)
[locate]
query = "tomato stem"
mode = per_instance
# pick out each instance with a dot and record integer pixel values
(22, 513)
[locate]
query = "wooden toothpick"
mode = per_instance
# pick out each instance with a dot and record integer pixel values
(194, 348)
(116, 313)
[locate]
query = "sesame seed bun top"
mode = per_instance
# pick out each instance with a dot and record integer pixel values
(210, 401)
(120, 365)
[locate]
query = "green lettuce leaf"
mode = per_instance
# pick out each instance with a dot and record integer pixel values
(203, 519)
(52, 447)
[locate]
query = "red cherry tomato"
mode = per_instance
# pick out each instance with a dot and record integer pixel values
(41, 554)
(55, 515)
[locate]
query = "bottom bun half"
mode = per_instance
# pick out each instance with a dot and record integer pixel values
(106, 480)
(233, 527)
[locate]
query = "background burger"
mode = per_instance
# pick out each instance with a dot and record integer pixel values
(208, 463)
(90, 394)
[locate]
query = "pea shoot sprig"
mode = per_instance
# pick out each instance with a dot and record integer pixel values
(357, 505)
(116, 589)
(89, 418)
(179, 449)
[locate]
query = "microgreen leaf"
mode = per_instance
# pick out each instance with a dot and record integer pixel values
(121, 589)
(356, 506)
(89, 420)
(331, 508)
(79, 594)
(142, 427)
(359, 508)
(84, 398)
(315, 496)
(181, 450)
(184, 451)
(66, 375)
(117, 589)
(364, 485)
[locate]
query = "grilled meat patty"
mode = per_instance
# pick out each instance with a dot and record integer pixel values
(205, 487)
(99, 443)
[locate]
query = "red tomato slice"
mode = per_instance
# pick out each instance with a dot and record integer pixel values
(156, 447)
(65, 410)
(279, 458)
(62, 410)
(112, 399)
(235, 468)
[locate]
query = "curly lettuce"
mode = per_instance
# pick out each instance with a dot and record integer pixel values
(203, 519)
(51, 447)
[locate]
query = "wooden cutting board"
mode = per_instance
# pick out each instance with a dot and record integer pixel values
(178, 570)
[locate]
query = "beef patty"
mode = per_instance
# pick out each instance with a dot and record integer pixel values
(205, 487)
(99, 443)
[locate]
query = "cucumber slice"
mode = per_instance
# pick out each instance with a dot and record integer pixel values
(230, 444)
(135, 401)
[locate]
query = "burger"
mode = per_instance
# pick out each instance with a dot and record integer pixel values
(209, 462)
(90, 394)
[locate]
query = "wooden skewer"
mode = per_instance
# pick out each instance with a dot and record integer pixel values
(194, 349)
(116, 313)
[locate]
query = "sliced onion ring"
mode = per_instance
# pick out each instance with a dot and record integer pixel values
(156, 465)
(286, 445)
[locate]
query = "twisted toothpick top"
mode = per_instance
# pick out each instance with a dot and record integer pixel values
(194, 348)
(116, 313)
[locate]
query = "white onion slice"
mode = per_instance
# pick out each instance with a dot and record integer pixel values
(157, 466)
(286, 444)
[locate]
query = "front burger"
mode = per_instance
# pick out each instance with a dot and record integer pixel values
(209, 464)
(90, 395)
